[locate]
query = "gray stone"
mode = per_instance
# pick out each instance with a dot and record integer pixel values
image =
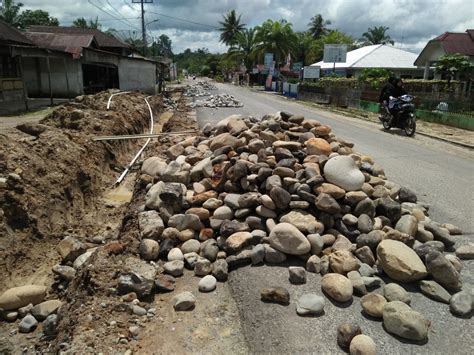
(407, 224)
(350, 219)
(313, 264)
(357, 282)
(174, 268)
(65, 272)
(232, 200)
(337, 286)
(258, 254)
(280, 197)
(191, 246)
(17, 297)
(139, 278)
(371, 281)
(317, 243)
(165, 283)
(83, 258)
(394, 292)
(207, 283)
(23, 311)
(275, 295)
(389, 208)
(27, 324)
(209, 250)
(435, 291)
(373, 304)
(185, 221)
(175, 254)
(366, 206)
(366, 270)
(237, 241)
(310, 304)
(401, 320)
(297, 275)
(220, 270)
(288, 239)
(443, 271)
(345, 333)
(365, 224)
(465, 252)
(342, 171)
(50, 325)
(365, 255)
(212, 204)
(440, 234)
(461, 303)
(223, 212)
(231, 227)
(328, 204)
(304, 221)
(139, 311)
(202, 267)
(70, 248)
(273, 256)
(362, 345)
(149, 249)
(400, 262)
(42, 310)
(184, 301)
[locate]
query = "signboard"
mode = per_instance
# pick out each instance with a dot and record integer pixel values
(271, 70)
(255, 71)
(311, 72)
(296, 67)
(267, 61)
(335, 53)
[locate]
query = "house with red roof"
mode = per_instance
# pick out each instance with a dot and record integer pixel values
(447, 43)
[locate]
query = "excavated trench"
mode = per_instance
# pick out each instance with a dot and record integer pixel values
(56, 182)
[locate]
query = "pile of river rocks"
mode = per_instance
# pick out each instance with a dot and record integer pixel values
(214, 101)
(252, 191)
(200, 88)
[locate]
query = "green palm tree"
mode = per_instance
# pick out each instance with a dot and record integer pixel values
(230, 27)
(276, 37)
(245, 47)
(317, 26)
(376, 35)
(303, 47)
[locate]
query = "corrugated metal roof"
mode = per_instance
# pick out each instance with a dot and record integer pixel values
(375, 56)
(70, 43)
(11, 35)
(103, 39)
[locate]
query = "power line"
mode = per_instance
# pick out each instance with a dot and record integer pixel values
(183, 20)
(111, 15)
(105, 20)
(117, 12)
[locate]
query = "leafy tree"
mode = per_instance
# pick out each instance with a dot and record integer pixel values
(317, 26)
(275, 37)
(316, 51)
(81, 22)
(245, 48)
(161, 47)
(230, 27)
(303, 47)
(10, 12)
(376, 35)
(454, 66)
(36, 17)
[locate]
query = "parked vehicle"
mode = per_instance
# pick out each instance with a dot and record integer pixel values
(400, 113)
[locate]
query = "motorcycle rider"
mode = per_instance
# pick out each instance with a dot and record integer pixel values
(390, 92)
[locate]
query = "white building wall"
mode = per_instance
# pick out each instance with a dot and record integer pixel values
(137, 75)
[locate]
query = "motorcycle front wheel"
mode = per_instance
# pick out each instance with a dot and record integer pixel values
(410, 126)
(386, 124)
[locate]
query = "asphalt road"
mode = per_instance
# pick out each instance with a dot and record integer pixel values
(442, 176)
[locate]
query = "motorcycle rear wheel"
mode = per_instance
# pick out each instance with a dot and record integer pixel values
(410, 126)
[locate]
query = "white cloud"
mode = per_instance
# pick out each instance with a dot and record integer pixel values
(411, 22)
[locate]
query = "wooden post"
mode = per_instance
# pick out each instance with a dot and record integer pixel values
(22, 76)
(49, 80)
(67, 80)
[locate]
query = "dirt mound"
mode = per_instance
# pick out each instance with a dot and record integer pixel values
(52, 176)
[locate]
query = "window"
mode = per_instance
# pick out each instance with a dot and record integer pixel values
(8, 67)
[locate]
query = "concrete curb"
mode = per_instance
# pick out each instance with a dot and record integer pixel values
(464, 145)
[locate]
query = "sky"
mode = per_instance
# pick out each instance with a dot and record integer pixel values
(194, 23)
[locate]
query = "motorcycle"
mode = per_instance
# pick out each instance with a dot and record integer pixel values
(400, 113)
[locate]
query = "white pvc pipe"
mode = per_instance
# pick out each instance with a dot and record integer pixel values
(125, 172)
(118, 93)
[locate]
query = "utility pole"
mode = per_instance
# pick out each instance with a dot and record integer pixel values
(142, 2)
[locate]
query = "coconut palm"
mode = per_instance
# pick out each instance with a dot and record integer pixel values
(376, 35)
(245, 47)
(275, 37)
(303, 47)
(230, 27)
(317, 26)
